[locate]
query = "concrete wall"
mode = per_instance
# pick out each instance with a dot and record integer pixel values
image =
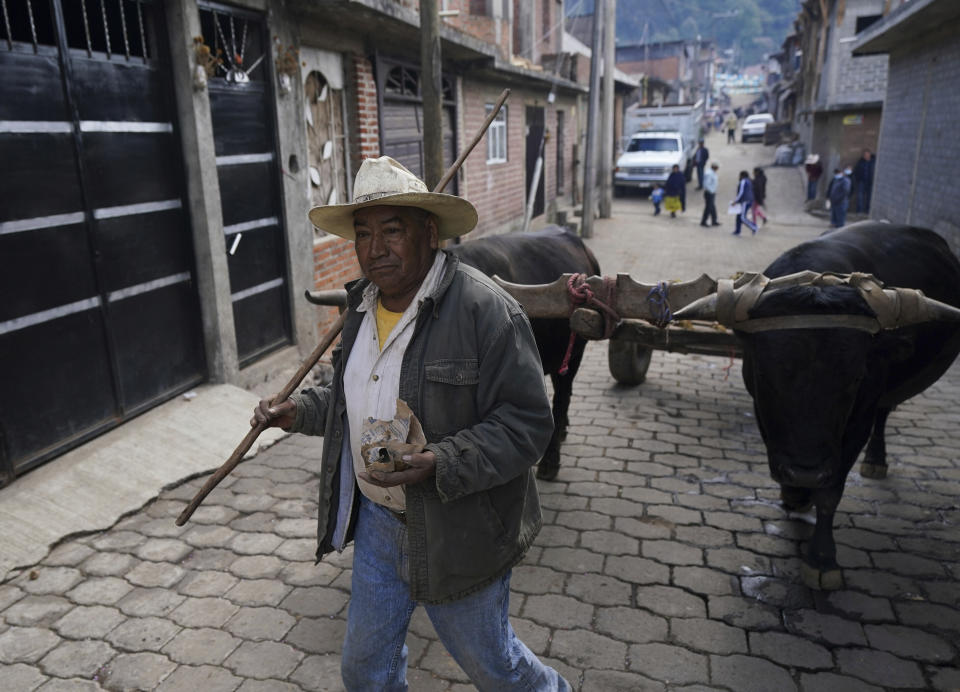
(919, 146)
(846, 79)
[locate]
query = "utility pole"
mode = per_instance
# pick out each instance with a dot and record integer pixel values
(593, 112)
(431, 90)
(606, 143)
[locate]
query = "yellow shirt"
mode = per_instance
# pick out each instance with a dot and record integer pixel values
(386, 321)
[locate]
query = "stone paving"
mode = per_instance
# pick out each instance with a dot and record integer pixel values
(665, 561)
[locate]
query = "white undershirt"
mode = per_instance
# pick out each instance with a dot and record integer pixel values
(371, 378)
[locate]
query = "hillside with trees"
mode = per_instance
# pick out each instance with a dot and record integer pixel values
(749, 28)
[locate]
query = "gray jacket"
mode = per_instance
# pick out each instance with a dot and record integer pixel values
(472, 376)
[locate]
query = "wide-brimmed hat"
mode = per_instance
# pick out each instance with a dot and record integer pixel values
(813, 158)
(384, 181)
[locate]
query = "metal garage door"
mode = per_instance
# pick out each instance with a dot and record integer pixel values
(99, 318)
(401, 117)
(244, 134)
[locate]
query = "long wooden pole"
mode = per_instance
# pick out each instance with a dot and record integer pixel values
(321, 348)
(431, 89)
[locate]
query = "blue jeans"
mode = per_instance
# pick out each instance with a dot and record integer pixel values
(743, 219)
(475, 629)
(812, 189)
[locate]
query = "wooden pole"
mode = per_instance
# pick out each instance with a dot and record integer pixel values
(314, 357)
(593, 122)
(432, 91)
(606, 133)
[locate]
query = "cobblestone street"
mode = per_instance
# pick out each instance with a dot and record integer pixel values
(665, 561)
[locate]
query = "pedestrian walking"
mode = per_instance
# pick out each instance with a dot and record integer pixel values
(838, 197)
(863, 180)
(441, 339)
(731, 126)
(656, 196)
(759, 195)
(814, 171)
(745, 200)
(675, 192)
(700, 158)
(710, 182)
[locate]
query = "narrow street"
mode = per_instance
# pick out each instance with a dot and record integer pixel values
(665, 561)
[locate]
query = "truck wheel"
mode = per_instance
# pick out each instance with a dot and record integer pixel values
(628, 361)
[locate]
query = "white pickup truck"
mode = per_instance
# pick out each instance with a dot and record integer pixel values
(648, 159)
(659, 137)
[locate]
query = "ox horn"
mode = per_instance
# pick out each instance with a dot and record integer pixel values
(906, 306)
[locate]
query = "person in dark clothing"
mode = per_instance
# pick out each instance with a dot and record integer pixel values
(700, 158)
(745, 200)
(838, 194)
(814, 171)
(759, 195)
(863, 180)
(676, 192)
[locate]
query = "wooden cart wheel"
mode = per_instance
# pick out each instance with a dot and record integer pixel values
(628, 361)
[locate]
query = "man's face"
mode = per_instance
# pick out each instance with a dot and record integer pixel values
(866, 155)
(395, 248)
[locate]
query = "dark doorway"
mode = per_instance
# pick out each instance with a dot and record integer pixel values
(535, 132)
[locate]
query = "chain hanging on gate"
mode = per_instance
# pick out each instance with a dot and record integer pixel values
(143, 36)
(86, 27)
(33, 26)
(106, 27)
(123, 25)
(6, 21)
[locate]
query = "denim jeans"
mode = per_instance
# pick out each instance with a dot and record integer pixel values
(475, 629)
(838, 214)
(812, 189)
(743, 219)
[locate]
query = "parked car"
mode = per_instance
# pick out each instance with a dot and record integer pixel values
(754, 126)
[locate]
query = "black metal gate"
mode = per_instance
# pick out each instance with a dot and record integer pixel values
(99, 318)
(244, 133)
(401, 117)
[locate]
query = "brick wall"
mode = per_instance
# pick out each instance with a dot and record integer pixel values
(499, 189)
(486, 27)
(365, 128)
(918, 132)
(334, 264)
(848, 79)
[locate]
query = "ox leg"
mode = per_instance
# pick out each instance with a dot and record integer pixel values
(549, 465)
(820, 569)
(874, 463)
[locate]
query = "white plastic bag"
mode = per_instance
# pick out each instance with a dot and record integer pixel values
(734, 209)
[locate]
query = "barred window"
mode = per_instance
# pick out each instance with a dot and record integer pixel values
(497, 136)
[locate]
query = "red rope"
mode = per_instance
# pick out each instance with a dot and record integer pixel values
(726, 369)
(581, 294)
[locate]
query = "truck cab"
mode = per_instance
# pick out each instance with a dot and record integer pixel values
(648, 159)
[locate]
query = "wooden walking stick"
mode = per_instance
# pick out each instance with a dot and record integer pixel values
(324, 344)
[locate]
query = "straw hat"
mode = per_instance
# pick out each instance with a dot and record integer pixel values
(813, 158)
(384, 181)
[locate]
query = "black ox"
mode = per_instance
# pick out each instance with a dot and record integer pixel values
(820, 391)
(540, 257)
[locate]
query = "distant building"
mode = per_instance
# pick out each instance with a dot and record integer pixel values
(839, 98)
(685, 66)
(919, 148)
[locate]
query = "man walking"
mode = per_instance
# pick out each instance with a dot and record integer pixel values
(700, 158)
(445, 528)
(731, 126)
(838, 194)
(710, 183)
